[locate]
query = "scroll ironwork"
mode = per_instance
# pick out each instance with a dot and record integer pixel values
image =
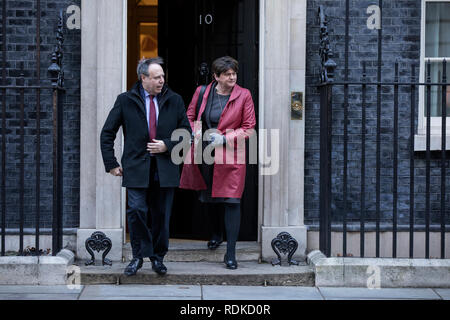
(286, 244)
(98, 241)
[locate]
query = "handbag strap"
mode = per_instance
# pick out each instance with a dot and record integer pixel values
(199, 101)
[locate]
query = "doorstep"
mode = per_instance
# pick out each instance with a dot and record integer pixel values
(197, 251)
(249, 273)
(190, 262)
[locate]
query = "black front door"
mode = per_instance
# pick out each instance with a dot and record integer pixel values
(191, 34)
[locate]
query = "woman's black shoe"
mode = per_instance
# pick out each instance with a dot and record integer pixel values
(230, 264)
(214, 244)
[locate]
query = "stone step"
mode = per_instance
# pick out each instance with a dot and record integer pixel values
(197, 251)
(249, 273)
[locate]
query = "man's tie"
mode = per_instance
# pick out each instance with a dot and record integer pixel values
(152, 119)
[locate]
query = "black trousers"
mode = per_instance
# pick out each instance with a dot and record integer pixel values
(148, 217)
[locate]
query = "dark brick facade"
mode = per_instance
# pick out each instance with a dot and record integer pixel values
(21, 48)
(401, 41)
(401, 24)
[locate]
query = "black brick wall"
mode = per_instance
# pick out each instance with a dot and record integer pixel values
(401, 42)
(21, 48)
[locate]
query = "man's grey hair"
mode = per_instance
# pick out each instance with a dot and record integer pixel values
(142, 68)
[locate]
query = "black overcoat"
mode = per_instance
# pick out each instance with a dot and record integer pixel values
(129, 112)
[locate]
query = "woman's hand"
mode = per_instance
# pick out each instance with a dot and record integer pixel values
(217, 139)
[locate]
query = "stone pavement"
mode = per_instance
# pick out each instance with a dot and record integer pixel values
(215, 292)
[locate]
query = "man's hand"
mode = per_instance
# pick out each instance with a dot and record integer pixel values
(157, 146)
(117, 172)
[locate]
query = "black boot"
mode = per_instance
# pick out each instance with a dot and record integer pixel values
(214, 244)
(230, 263)
(232, 223)
(216, 224)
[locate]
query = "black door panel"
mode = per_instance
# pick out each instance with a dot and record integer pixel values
(198, 31)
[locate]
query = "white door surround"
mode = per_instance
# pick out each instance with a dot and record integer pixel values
(281, 71)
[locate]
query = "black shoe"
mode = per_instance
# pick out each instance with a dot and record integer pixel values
(214, 244)
(230, 263)
(133, 267)
(159, 267)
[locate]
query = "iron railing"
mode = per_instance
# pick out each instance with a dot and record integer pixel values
(327, 212)
(23, 91)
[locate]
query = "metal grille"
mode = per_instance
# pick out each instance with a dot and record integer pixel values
(364, 90)
(22, 94)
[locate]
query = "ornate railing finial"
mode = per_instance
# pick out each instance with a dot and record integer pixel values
(98, 241)
(284, 243)
(328, 65)
(55, 70)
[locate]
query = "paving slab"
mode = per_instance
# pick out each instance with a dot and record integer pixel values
(38, 296)
(444, 293)
(260, 293)
(139, 298)
(58, 289)
(378, 294)
(140, 292)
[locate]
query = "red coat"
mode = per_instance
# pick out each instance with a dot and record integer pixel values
(239, 115)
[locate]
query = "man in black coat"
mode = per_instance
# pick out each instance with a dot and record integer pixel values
(148, 114)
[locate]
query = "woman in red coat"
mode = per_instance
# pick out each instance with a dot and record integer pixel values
(227, 118)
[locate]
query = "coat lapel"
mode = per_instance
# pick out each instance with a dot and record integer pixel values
(237, 90)
(162, 98)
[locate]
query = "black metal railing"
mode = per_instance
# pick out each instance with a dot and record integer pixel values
(25, 94)
(361, 90)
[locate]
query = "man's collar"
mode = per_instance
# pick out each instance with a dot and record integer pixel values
(143, 92)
